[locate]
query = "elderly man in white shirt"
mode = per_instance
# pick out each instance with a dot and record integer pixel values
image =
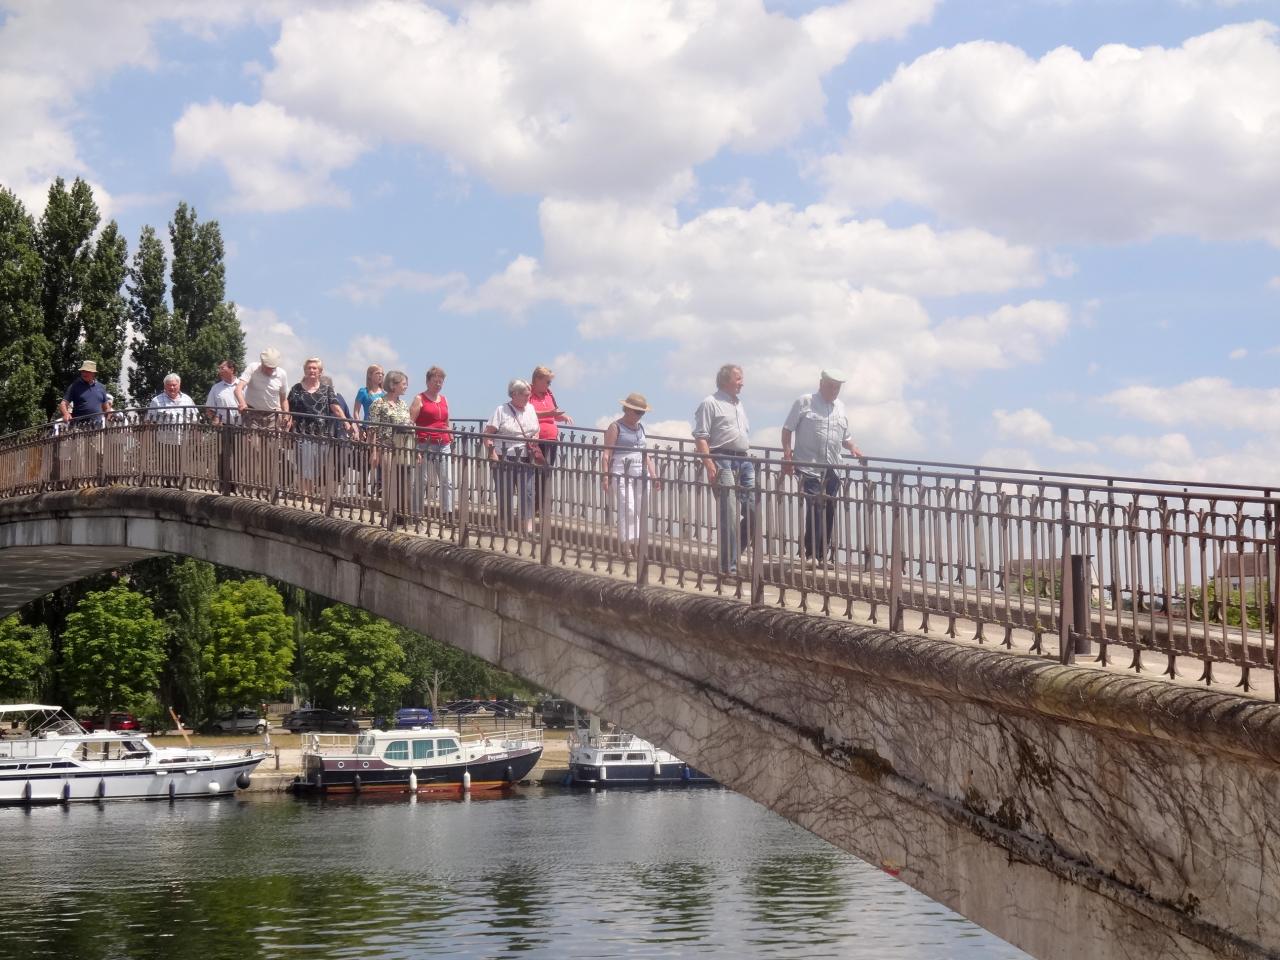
(819, 426)
(221, 403)
(170, 411)
(262, 392)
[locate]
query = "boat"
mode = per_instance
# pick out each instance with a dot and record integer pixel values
(615, 758)
(46, 756)
(417, 760)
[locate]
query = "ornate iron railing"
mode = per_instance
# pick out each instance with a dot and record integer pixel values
(1157, 573)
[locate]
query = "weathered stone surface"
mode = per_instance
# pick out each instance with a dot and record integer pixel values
(1076, 813)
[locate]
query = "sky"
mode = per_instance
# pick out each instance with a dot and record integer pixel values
(1031, 233)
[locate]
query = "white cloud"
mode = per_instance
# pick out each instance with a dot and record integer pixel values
(572, 97)
(1274, 283)
(1239, 353)
(1124, 145)
(378, 275)
(782, 291)
(1204, 401)
(274, 161)
(1169, 447)
(1030, 426)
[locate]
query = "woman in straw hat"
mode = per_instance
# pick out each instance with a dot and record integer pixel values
(625, 465)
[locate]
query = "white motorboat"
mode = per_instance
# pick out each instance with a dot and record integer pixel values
(599, 758)
(47, 757)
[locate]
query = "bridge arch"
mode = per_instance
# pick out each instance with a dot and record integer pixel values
(1074, 812)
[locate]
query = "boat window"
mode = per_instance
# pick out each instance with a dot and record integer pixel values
(423, 749)
(397, 750)
(364, 745)
(446, 746)
(611, 756)
(637, 756)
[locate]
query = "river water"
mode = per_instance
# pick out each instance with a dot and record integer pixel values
(546, 873)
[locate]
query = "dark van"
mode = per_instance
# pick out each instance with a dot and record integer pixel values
(556, 713)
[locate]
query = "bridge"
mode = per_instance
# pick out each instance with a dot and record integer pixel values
(1069, 734)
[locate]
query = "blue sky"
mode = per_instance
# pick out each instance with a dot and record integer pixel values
(1035, 233)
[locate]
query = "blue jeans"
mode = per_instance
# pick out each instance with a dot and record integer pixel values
(819, 512)
(736, 511)
(436, 462)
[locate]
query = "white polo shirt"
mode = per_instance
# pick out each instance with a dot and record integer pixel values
(262, 391)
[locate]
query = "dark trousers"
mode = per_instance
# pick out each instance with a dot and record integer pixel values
(819, 511)
(542, 477)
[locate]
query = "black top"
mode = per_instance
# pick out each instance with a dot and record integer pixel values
(307, 408)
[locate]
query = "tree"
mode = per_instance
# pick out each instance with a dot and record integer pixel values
(103, 309)
(211, 330)
(113, 649)
(70, 217)
(180, 590)
(25, 361)
(354, 658)
(25, 653)
(249, 651)
(156, 344)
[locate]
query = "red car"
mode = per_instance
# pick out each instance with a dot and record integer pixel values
(118, 721)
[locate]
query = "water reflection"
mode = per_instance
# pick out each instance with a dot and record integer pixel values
(550, 874)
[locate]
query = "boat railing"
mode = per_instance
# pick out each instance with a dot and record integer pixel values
(617, 740)
(329, 742)
(517, 739)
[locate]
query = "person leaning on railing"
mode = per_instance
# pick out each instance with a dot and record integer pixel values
(819, 425)
(430, 413)
(85, 401)
(511, 438)
(391, 426)
(262, 392)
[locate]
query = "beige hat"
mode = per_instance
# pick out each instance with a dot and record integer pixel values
(90, 366)
(835, 376)
(270, 357)
(636, 401)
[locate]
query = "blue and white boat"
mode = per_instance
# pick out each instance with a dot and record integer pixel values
(619, 759)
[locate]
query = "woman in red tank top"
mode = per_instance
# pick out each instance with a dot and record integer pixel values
(550, 416)
(430, 413)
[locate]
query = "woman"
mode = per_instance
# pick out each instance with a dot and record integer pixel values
(430, 411)
(371, 391)
(511, 437)
(549, 417)
(394, 440)
(309, 401)
(625, 464)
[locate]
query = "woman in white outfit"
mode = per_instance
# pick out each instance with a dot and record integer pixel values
(625, 466)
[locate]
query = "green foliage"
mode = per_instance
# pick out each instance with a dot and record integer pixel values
(113, 649)
(181, 590)
(249, 650)
(63, 241)
(461, 674)
(24, 364)
(212, 330)
(25, 653)
(354, 659)
(103, 310)
(156, 345)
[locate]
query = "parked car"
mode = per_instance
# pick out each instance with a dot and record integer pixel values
(118, 721)
(556, 713)
(407, 717)
(244, 720)
(322, 721)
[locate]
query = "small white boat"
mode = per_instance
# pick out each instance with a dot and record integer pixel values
(47, 757)
(617, 759)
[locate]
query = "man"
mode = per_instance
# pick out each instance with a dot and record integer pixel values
(86, 401)
(720, 434)
(223, 407)
(170, 410)
(262, 392)
(819, 426)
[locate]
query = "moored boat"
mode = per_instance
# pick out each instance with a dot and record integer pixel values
(618, 759)
(46, 756)
(418, 760)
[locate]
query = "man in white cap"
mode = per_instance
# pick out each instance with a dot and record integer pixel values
(819, 426)
(262, 391)
(86, 400)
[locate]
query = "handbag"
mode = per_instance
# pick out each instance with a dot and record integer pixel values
(530, 442)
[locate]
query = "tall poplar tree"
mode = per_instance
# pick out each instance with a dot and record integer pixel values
(63, 241)
(25, 359)
(103, 310)
(211, 329)
(157, 345)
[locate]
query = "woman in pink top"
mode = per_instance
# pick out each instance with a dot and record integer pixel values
(430, 412)
(550, 416)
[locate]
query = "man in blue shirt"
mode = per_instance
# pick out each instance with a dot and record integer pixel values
(86, 400)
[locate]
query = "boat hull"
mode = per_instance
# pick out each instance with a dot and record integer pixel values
(326, 774)
(71, 783)
(635, 774)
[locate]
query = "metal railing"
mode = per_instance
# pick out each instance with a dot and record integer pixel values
(1157, 573)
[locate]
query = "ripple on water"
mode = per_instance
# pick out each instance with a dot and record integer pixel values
(545, 874)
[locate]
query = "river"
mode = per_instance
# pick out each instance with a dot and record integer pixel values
(546, 873)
